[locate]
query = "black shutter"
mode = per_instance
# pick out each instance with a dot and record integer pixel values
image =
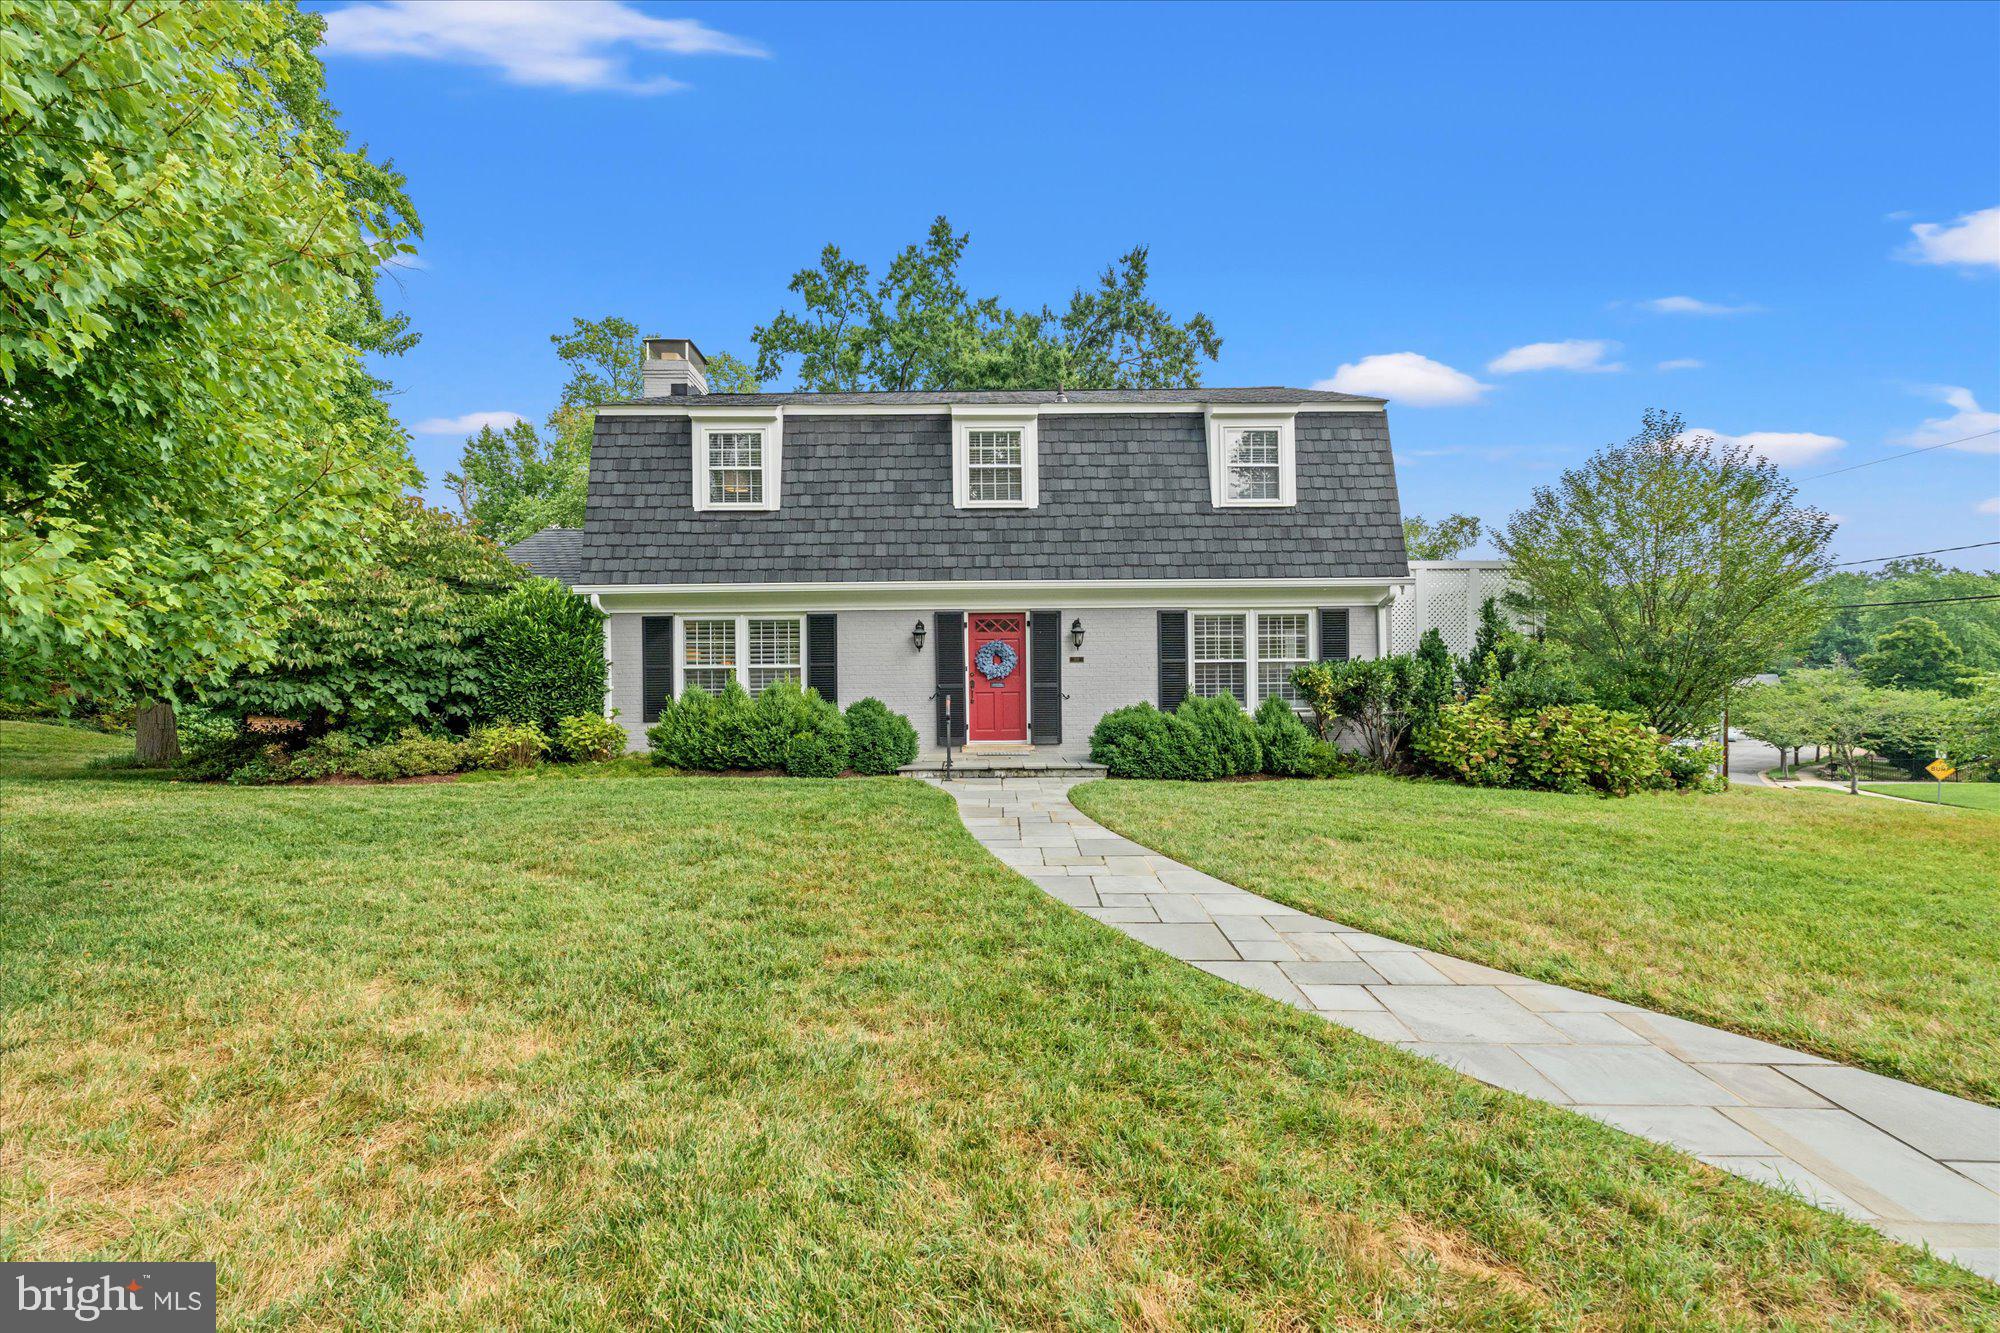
(949, 631)
(1173, 659)
(1045, 655)
(823, 657)
(656, 667)
(1333, 634)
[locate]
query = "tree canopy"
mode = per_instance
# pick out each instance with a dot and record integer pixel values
(1673, 567)
(518, 480)
(188, 256)
(1914, 654)
(1447, 538)
(918, 328)
(1854, 626)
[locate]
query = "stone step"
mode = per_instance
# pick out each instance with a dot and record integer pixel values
(1001, 765)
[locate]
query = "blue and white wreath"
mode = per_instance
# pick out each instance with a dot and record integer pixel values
(996, 661)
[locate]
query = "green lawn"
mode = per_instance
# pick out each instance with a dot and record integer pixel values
(688, 1052)
(1970, 795)
(1866, 931)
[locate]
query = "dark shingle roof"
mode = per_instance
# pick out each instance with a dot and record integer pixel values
(868, 499)
(1024, 397)
(552, 553)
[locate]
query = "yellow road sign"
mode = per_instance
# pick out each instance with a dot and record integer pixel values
(1939, 769)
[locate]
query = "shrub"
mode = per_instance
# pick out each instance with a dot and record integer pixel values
(685, 727)
(1287, 743)
(818, 746)
(588, 738)
(1327, 760)
(541, 656)
(1227, 733)
(1377, 697)
(331, 754)
(1140, 741)
(506, 745)
(878, 739)
(1568, 749)
(386, 645)
(1690, 767)
(780, 711)
(732, 731)
(411, 755)
(1468, 742)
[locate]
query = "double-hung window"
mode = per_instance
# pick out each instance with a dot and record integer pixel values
(735, 469)
(1254, 466)
(993, 457)
(993, 466)
(1284, 641)
(1221, 659)
(1235, 650)
(1252, 457)
(737, 457)
(754, 651)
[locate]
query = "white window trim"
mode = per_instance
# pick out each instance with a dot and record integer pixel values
(966, 420)
(1251, 660)
(770, 423)
(1222, 422)
(742, 667)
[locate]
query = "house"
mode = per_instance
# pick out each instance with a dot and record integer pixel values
(1000, 567)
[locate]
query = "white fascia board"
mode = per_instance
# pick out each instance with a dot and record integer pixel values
(1081, 594)
(947, 409)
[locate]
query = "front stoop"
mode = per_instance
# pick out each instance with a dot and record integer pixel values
(1022, 763)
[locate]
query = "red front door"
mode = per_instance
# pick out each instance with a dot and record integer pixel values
(998, 710)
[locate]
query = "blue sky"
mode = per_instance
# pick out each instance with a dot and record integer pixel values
(1523, 224)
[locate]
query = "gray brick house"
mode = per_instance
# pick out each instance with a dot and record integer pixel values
(1019, 562)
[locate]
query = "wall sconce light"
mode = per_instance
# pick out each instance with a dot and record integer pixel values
(917, 635)
(1076, 633)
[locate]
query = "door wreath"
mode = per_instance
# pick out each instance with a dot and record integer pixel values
(996, 660)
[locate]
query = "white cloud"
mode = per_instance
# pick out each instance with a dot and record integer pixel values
(1681, 363)
(1688, 305)
(1991, 506)
(1780, 446)
(1973, 240)
(581, 45)
(1580, 354)
(1966, 419)
(1407, 378)
(468, 424)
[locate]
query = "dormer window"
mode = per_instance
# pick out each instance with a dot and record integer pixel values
(1252, 462)
(736, 460)
(735, 468)
(1252, 458)
(994, 464)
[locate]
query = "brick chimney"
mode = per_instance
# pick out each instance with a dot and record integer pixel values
(674, 367)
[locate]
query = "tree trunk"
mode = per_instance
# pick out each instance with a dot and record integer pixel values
(158, 738)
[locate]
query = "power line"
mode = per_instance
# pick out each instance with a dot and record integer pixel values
(1910, 555)
(1855, 467)
(1921, 601)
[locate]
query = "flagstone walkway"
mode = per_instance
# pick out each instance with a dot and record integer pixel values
(1919, 1165)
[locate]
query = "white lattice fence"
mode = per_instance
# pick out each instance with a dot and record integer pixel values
(1446, 596)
